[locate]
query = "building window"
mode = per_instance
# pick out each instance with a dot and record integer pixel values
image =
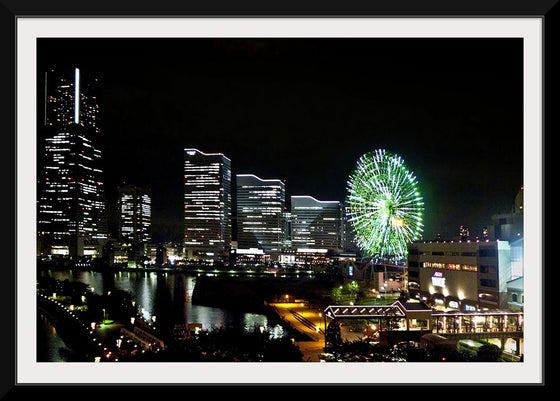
(488, 283)
(487, 269)
(487, 253)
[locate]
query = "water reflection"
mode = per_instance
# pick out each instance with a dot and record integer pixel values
(49, 344)
(168, 298)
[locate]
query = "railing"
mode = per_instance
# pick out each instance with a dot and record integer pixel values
(306, 322)
(481, 324)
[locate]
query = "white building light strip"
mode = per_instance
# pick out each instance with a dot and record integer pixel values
(192, 151)
(310, 197)
(77, 95)
(260, 179)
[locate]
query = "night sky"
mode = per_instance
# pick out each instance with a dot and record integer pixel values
(305, 110)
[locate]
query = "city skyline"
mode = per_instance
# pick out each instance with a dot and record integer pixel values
(304, 111)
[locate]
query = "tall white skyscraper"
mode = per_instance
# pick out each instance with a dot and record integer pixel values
(70, 189)
(207, 205)
(260, 213)
(315, 224)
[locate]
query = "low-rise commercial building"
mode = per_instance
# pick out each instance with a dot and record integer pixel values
(460, 275)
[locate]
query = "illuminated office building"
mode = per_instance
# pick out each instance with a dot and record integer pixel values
(260, 213)
(70, 192)
(315, 224)
(207, 205)
(135, 214)
(347, 233)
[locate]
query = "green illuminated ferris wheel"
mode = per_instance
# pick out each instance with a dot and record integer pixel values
(385, 206)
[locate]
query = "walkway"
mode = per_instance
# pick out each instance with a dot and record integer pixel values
(307, 321)
(310, 322)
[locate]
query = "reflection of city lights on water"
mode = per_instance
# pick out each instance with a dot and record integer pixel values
(252, 321)
(144, 289)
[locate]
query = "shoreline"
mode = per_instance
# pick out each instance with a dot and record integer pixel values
(186, 269)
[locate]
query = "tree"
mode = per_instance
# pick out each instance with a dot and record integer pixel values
(489, 353)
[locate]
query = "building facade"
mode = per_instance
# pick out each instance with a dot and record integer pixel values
(260, 214)
(135, 214)
(460, 275)
(509, 226)
(71, 218)
(315, 224)
(207, 206)
(347, 233)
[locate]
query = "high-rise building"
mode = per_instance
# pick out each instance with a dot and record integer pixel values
(315, 224)
(509, 226)
(347, 233)
(260, 213)
(70, 192)
(207, 205)
(135, 214)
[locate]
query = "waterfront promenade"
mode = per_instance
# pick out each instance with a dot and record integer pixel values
(311, 322)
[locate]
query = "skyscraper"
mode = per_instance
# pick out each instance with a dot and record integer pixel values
(207, 205)
(260, 213)
(347, 233)
(509, 226)
(71, 199)
(135, 214)
(315, 224)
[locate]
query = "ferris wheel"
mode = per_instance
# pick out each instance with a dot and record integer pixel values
(385, 206)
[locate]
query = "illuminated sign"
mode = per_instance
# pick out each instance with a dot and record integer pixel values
(438, 280)
(453, 304)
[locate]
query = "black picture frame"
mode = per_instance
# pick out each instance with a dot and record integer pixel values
(10, 10)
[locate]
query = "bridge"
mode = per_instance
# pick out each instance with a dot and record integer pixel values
(409, 321)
